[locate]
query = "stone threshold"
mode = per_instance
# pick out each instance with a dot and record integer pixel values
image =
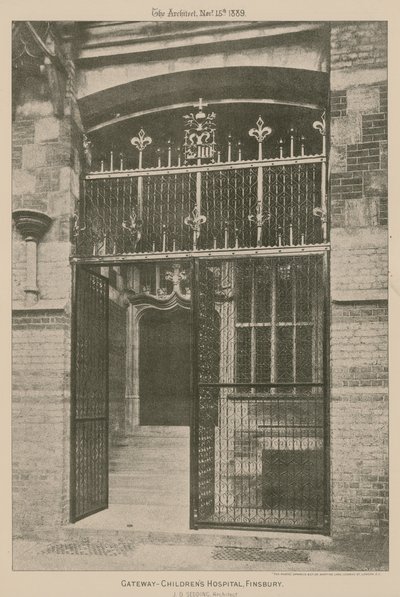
(201, 537)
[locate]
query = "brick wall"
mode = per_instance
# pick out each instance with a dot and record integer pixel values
(40, 410)
(358, 198)
(46, 167)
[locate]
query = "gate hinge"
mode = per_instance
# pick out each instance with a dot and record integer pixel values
(195, 514)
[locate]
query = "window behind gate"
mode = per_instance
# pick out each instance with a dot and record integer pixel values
(277, 312)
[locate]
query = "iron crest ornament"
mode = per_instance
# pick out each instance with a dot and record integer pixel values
(200, 129)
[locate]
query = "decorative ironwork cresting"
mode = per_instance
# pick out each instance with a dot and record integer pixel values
(200, 128)
(260, 133)
(236, 203)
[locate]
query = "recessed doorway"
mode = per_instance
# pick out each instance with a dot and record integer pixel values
(164, 367)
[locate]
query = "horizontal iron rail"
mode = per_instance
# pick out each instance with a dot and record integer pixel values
(267, 397)
(290, 426)
(262, 385)
(312, 159)
(265, 527)
(202, 254)
(268, 324)
(91, 418)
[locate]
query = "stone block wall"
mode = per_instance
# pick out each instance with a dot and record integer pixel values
(46, 170)
(359, 328)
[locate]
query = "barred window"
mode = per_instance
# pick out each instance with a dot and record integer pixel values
(277, 312)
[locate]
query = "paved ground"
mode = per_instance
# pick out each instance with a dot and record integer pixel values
(132, 553)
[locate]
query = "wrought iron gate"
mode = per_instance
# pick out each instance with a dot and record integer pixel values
(259, 432)
(89, 408)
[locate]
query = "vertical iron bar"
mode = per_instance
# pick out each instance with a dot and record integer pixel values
(326, 386)
(198, 208)
(260, 175)
(291, 208)
(169, 153)
(73, 459)
(294, 317)
(273, 323)
(194, 418)
(307, 201)
(252, 322)
(324, 201)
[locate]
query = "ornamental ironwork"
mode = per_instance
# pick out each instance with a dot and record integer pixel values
(260, 133)
(194, 221)
(260, 410)
(205, 203)
(199, 144)
(141, 142)
(133, 225)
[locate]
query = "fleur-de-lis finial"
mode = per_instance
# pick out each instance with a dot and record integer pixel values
(141, 142)
(195, 220)
(260, 133)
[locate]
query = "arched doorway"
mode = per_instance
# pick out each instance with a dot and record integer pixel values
(164, 367)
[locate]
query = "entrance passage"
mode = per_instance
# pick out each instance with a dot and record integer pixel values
(164, 367)
(247, 336)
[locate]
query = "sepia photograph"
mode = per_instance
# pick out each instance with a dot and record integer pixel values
(200, 298)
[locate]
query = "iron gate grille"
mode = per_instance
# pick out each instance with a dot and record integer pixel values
(246, 206)
(261, 405)
(89, 409)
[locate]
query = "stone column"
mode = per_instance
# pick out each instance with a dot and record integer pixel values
(32, 225)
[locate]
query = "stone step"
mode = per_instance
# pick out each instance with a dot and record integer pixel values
(152, 480)
(207, 537)
(138, 498)
(147, 467)
(159, 430)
